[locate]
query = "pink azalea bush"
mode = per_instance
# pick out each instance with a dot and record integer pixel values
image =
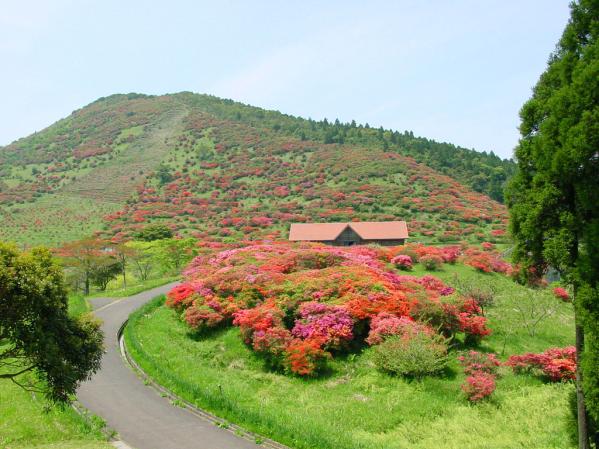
(385, 325)
(402, 261)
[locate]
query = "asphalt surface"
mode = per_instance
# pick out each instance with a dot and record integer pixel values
(142, 418)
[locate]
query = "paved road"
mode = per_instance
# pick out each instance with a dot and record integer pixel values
(143, 419)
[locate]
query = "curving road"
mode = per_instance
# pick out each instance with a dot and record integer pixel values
(143, 419)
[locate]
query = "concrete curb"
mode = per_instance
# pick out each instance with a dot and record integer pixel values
(120, 445)
(198, 412)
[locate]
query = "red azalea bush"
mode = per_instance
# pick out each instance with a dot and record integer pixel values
(479, 386)
(561, 293)
(481, 370)
(474, 361)
(297, 304)
(453, 316)
(305, 357)
(450, 254)
(557, 364)
(486, 261)
(177, 297)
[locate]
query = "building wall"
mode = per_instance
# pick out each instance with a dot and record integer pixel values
(350, 241)
(386, 242)
(347, 238)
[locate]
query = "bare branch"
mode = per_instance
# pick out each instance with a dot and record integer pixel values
(13, 375)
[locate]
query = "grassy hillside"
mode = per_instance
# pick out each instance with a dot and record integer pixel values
(222, 170)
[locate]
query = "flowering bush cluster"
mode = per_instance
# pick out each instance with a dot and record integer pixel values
(481, 371)
(557, 364)
(435, 255)
(299, 304)
(332, 326)
(486, 261)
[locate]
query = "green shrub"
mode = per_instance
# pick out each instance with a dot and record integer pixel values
(431, 262)
(416, 355)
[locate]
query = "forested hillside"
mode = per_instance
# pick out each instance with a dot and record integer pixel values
(481, 171)
(221, 170)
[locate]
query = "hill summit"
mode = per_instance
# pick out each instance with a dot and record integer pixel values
(221, 170)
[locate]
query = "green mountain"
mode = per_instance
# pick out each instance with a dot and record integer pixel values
(220, 170)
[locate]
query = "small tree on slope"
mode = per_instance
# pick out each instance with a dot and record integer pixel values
(554, 197)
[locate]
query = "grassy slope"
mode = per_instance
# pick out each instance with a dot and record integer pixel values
(27, 421)
(88, 189)
(355, 406)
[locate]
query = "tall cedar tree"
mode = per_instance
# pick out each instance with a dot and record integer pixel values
(42, 348)
(554, 197)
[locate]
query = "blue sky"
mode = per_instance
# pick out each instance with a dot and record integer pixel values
(455, 71)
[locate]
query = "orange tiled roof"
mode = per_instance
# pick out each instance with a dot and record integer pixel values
(367, 230)
(380, 230)
(315, 231)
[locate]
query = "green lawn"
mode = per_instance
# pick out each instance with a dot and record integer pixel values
(356, 407)
(26, 423)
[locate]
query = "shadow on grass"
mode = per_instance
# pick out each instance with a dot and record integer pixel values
(207, 333)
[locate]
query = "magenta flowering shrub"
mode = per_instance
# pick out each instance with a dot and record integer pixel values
(332, 325)
(402, 261)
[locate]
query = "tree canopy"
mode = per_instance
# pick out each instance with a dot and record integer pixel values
(41, 346)
(554, 196)
(153, 232)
